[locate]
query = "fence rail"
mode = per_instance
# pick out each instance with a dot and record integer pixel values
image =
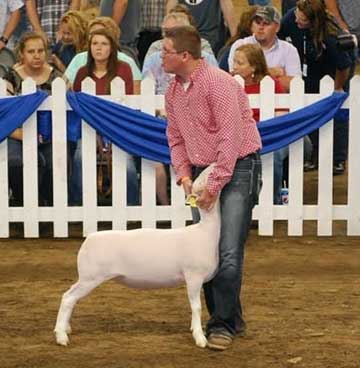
(60, 214)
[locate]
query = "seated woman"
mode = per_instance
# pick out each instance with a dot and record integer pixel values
(80, 59)
(74, 37)
(250, 64)
(103, 66)
(32, 62)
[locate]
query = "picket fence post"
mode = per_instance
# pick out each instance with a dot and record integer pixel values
(30, 161)
(353, 217)
(4, 179)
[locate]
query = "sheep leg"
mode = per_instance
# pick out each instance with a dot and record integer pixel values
(68, 301)
(193, 285)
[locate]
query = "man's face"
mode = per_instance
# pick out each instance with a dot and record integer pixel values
(171, 59)
(264, 31)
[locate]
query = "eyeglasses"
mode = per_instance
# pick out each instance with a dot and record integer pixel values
(166, 52)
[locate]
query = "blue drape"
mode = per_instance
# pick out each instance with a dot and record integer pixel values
(15, 110)
(141, 134)
(281, 131)
(135, 132)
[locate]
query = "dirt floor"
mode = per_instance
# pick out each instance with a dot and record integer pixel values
(301, 298)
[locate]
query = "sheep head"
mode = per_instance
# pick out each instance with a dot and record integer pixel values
(199, 185)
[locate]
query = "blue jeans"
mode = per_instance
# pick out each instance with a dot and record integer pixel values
(259, 2)
(237, 199)
(15, 166)
(279, 157)
(75, 182)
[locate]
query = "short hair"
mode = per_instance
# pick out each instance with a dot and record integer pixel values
(180, 18)
(185, 38)
(256, 58)
(183, 9)
(107, 23)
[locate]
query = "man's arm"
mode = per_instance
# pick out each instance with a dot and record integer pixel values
(11, 24)
(332, 6)
(227, 8)
(341, 77)
(75, 5)
(119, 9)
(33, 16)
(170, 4)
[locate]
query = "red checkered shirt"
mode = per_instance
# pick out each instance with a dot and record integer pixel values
(210, 121)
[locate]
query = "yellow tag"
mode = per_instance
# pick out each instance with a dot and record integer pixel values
(191, 200)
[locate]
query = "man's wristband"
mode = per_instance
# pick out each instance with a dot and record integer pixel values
(4, 40)
(184, 179)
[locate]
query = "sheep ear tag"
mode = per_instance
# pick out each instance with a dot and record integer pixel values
(191, 200)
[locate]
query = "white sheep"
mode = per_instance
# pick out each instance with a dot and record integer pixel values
(149, 258)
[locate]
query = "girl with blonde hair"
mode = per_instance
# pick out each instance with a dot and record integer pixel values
(73, 31)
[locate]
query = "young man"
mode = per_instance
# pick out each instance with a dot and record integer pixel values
(209, 120)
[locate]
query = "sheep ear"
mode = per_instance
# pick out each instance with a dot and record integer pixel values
(191, 200)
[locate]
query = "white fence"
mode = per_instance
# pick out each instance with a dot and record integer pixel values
(60, 214)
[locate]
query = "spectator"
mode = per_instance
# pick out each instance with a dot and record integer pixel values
(103, 66)
(32, 63)
(182, 9)
(81, 59)
(214, 19)
(281, 57)
(45, 15)
(9, 18)
(313, 31)
(244, 29)
(250, 64)
(73, 39)
(153, 62)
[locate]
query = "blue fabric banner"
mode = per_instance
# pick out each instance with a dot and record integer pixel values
(14, 111)
(143, 135)
(135, 132)
(281, 131)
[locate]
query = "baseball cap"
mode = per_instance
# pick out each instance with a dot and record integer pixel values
(268, 13)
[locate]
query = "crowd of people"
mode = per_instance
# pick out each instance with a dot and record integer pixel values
(192, 49)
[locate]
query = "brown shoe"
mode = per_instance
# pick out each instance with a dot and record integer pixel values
(219, 341)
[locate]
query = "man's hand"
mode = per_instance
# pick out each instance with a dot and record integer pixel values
(276, 72)
(187, 185)
(2, 45)
(206, 200)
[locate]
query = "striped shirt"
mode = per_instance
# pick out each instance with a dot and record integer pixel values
(210, 121)
(153, 12)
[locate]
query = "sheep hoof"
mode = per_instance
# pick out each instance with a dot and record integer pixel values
(201, 341)
(62, 338)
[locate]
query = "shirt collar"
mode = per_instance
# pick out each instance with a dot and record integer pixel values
(195, 73)
(273, 47)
